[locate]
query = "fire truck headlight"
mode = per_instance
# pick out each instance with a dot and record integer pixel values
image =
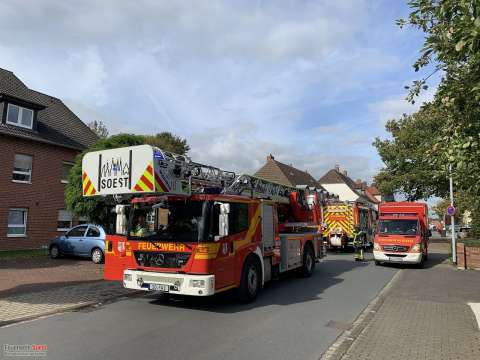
(416, 248)
(127, 277)
(376, 247)
(197, 283)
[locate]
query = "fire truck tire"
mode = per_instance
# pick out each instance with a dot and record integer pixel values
(54, 252)
(97, 256)
(308, 266)
(251, 280)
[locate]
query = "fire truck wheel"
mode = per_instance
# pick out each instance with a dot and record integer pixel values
(251, 280)
(97, 256)
(308, 261)
(54, 252)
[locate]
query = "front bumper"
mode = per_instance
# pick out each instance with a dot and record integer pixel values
(177, 283)
(408, 258)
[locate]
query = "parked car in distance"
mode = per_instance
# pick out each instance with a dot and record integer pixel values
(86, 240)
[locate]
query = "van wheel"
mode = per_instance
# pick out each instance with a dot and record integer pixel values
(308, 265)
(251, 280)
(54, 252)
(97, 256)
(421, 264)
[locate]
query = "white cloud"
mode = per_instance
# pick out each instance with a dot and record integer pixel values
(239, 80)
(394, 107)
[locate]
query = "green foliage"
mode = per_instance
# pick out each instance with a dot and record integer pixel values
(445, 132)
(98, 208)
(168, 141)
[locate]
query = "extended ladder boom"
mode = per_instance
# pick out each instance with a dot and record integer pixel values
(147, 169)
(256, 187)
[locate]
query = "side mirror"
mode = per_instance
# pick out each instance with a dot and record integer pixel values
(223, 225)
(121, 220)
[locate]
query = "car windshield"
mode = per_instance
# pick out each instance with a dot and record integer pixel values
(400, 227)
(182, 221)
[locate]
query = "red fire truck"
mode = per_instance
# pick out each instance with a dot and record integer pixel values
(403, 233)
(193, 229)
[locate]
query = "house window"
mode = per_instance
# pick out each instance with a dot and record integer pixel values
(17, 222)
(64, 222)
(66, 167)
(19, 116)
(22, 168)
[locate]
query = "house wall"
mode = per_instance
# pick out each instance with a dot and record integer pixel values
(43, 197)
(342, 190)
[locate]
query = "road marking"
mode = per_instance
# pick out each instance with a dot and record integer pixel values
(476, 310)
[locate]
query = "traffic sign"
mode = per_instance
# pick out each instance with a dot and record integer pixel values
(451, 210)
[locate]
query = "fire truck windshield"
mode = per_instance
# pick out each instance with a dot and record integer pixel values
(398, 227)
(182, 221)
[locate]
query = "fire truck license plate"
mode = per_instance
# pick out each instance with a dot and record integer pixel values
(158, 287)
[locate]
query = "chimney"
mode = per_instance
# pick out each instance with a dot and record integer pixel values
(337, 167)
(270, 157)
(344, 172)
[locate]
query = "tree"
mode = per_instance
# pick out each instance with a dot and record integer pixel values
(99, 128)
(98, 209)
(449, 126)
(168, 141)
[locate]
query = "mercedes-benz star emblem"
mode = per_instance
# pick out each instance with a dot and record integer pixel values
(159, 259)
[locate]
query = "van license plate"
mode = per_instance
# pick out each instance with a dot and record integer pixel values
(158, 287)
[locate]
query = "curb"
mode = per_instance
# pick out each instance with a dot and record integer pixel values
(343, 342)
(84, 305)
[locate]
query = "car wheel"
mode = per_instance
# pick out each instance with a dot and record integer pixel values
(251, 280)
(377, 262)
(97, 256)
(54, 252)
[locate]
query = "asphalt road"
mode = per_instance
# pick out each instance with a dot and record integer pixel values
(290, 320)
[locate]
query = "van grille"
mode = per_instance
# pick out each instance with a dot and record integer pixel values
(161, 259)
(395, 248)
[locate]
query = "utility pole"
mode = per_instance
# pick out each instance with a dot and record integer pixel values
(452, 218)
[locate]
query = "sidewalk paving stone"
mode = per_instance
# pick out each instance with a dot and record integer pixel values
(424, 315)
(23, 306)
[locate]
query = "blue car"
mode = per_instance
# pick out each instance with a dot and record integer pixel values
(86, 240)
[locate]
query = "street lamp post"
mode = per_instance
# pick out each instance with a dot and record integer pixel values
(452, 219)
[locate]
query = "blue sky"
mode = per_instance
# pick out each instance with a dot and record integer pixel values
(311, 82)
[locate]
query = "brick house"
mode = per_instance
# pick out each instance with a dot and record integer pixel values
(39, 139)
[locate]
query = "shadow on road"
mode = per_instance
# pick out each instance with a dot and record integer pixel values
(434, 259)
(288, 290)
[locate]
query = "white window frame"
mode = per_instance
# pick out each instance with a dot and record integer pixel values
(29, 173)
(71, 221)
(19, 117)
(63, 181)
(25, 218)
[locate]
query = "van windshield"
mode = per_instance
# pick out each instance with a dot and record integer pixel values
(182, 221)
(398, 227)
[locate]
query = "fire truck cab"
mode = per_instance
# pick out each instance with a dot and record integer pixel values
(191, 229)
